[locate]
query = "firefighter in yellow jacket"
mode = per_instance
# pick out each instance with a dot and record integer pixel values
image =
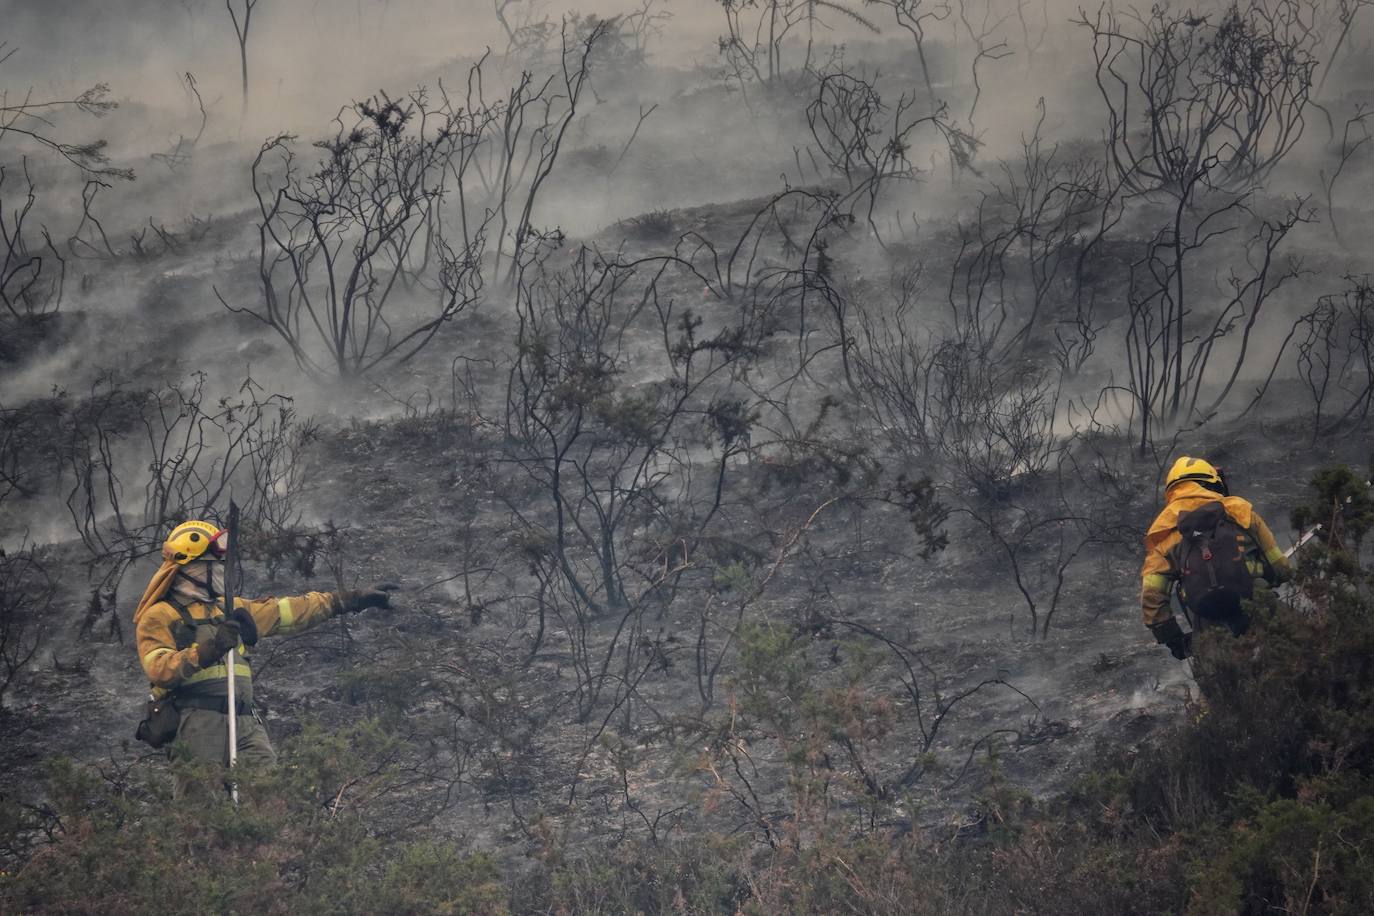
(1213, 548)
(184, 636)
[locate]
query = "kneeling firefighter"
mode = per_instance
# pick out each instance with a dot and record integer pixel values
(1213, 547)
(186, 639)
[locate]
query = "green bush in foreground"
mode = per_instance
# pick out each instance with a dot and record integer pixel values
(303, 839)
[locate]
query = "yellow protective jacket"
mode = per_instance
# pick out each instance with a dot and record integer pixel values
(1159, 574)
(166, 642)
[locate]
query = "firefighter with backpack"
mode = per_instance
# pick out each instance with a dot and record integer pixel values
(1214, 548)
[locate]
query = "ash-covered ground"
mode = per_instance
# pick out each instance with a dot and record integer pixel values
(782, 420)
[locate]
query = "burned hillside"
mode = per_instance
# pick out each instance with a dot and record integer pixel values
(760, 407)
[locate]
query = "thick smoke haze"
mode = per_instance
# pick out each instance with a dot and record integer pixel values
(762, 434)
(308, 58)
(302, 53)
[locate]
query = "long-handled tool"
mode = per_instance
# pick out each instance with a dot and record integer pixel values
(1306, 536)
(230, 556)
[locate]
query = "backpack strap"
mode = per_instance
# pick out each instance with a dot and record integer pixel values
(180, 608)
(186, 615)
(1212, 581)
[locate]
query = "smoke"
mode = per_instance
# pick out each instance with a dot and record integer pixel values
(673, 136)
(680, 145)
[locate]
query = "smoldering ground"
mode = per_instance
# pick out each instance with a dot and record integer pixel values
(812, 483)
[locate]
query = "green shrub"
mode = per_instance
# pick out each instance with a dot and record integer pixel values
(302, 840)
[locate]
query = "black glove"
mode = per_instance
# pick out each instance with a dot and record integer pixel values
(351, 602)
(248, 627)
(1170, 634)
(223, 636)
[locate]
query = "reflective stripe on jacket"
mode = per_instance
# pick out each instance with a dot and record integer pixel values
(171, 666)
(1159, 573)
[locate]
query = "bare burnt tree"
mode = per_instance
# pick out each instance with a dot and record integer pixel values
(337, 243)
(1041, 535)
(89, 239)
(1033, 36)
(242, 18)
(1334, 356)
(184, 147)
(867, 142)
(759, 32)
(645, 24)
(776, 269)
(1353, 138)
(941, 396)
(25, 119)
(779, 268)
(401, 207)
(32, 271)
(609, 381)
(1196, 103)
(30, 432)
(1026, 249)
(1185, 356)
(916, 16)
(138, 460)
(968, 390)
(528, 29)
(982, 23)
(27, 590)
(15, 436)
(1347, 11)
(146, 240)
(528, 137)
(32, 275)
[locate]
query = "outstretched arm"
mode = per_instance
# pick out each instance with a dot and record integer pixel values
(278, 615)
(296, 612)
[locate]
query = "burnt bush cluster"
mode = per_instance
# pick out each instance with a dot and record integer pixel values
(667, 536)
(1262, 799)
(1239, 812)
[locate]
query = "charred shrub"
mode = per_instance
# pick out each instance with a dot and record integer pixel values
(295, 548)
(654, 226)
(26, 596)
(1188, 96)
(134, 459)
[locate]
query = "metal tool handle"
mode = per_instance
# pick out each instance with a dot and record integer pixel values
(232, 712)
(1307, 535)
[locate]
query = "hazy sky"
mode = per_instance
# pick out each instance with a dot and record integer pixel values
(341, 47)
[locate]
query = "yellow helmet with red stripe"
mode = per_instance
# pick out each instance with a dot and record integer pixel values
(190, 540)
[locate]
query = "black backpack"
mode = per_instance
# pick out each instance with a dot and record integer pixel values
(1213, 576)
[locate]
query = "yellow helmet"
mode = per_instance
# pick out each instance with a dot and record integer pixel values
(189, 540)
(1195, 469)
